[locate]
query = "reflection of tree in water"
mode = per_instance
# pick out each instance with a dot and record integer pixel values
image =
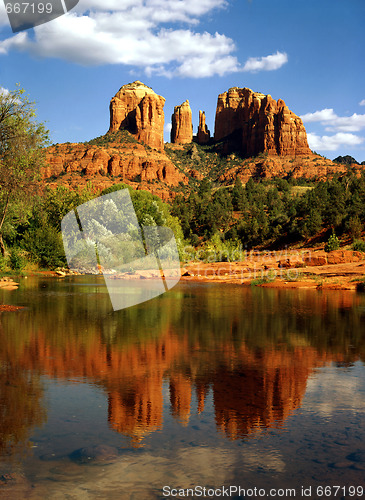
(21, 409)
(253, 351)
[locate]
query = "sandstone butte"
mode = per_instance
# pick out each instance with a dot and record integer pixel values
(256, 123)
(182, 124)
(138, 109)
(271, 139)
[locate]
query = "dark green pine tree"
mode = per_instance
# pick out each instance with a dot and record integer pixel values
(312, 223)
(239, 198)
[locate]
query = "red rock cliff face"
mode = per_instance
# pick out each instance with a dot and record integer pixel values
(255, 123)
(182, 127)
(76, 164)
(138, 109)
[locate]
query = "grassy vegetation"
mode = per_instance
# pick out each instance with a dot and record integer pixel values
(121, 136)
(205, 159)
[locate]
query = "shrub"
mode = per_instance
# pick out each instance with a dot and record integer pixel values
(358, 246)
(3, 264)
(45, 246)
(355, 227)
(195, 240)
(218, 250)
(261, 281)
(17, 260)
(333, 243)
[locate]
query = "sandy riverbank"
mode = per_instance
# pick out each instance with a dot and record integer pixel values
(296, 269)
(303, 268)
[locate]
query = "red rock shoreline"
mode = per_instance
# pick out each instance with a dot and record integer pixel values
(337, 270)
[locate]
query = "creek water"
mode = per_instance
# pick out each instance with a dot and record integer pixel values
(208, 385)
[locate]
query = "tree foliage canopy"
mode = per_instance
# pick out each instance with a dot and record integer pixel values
(21, 156)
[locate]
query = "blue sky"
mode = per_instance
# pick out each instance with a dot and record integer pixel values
(308, 52)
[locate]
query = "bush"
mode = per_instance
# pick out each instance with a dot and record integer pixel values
(3, 264)
(354, 226)
(45, 247)
(218, 250)
(332, 244)
(358, 246)
(17, 260)
(195, 240)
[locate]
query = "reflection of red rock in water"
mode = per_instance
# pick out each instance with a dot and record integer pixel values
(252, 388)
(21, 408)
(250, 400)
(136, 408)
(202, 390)
(180, 396)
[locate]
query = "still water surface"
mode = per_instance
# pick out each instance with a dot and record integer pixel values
(205, 385)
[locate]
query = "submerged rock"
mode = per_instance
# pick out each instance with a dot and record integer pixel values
(94, 454)
(358, 456)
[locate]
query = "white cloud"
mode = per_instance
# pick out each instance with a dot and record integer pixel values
(331, 143)
(3, 15)
(362, 103)
(4, 91)
(333, 123)
(136, 33)
(161, 11)
(167, 128)
(268, 63)
(319, 116)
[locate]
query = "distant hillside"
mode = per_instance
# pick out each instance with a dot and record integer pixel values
(347, 160)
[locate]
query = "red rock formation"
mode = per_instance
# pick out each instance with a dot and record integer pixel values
(309, 167)
(182, 127)
(138, 109)
(255, 123)
(228, 118)
(245, 121)
(203, 132)
(322, 258)
(119, 162)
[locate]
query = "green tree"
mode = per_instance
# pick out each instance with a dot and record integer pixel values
(21, 156)
(312, 223)
(336, 203)
(355, 227)
(57, 202)
(222, 208)
(44, 245)
(239, 199)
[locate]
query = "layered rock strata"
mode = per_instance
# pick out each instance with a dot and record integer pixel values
(255, 123)
(182, 126)
(138, 109)
(104, 166)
